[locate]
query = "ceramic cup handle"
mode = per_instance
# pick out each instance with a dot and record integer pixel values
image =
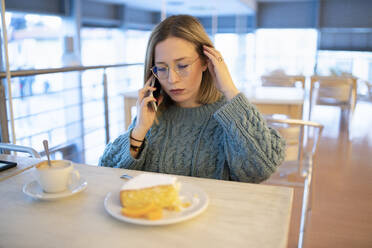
(74, 178)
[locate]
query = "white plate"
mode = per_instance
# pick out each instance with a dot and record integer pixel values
(34, 190)
(188, 193)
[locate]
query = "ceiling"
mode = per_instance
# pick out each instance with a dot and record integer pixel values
(193, 7)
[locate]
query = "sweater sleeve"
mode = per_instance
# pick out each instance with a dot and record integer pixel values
(253, 150)
(117, 154)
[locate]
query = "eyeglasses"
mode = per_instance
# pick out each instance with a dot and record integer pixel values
(182, 68)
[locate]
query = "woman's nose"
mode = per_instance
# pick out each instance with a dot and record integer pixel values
(173, 76)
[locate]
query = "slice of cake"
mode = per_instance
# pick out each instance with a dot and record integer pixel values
(146, 195)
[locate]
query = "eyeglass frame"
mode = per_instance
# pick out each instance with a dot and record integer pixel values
(168, 68)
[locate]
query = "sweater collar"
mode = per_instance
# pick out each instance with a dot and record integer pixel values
(197, 113)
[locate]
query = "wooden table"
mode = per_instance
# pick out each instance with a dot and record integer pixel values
(269, 100)
(238, 215)
(278, 100)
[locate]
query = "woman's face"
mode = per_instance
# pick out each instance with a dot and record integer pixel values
(185, 70)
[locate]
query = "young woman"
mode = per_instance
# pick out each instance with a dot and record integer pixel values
(203, 125)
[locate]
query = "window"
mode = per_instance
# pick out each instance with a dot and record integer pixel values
(292, 51)
(41, 102)
(35, 41)
(102, 46)
(108, 46)
(238, 53)
(68, 108)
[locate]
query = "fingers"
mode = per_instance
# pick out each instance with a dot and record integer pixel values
(212, 54)
(146, 88)
(212, 61)
(145, 95)
(148, 82)
(148, 100)
(210, 66)
(209, 55)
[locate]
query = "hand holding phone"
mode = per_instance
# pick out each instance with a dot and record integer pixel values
(147, 106)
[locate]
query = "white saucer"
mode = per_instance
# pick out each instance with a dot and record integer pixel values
(34, 190)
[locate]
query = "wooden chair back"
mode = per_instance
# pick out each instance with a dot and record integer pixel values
(283, 80)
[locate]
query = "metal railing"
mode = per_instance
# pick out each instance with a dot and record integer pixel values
(35, 72)
(20, 73)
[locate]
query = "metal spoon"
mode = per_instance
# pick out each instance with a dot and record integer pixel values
(45, 143)
(126, 176)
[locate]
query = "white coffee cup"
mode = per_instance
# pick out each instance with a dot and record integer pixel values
(56, 178)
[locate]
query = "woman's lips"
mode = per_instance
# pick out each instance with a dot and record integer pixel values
(177, 91)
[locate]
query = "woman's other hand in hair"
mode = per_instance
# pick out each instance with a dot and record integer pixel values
(220, 72)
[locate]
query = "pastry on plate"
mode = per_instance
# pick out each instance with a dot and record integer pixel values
(146, 195)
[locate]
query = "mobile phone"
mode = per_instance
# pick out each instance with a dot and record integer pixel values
(155, 83)
(4, 165)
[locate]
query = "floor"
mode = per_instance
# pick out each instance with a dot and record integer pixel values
(342, 206)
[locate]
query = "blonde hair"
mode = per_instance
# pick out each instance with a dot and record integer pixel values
(190, 29)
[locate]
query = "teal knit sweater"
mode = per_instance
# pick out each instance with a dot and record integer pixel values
(225, 140)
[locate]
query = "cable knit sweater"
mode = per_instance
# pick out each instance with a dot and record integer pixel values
(225, 140)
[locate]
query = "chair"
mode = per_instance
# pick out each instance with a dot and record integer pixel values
(25, 165)
(333, 91)
(17, 148)
(302, 139)
(369, 87)
(283, 80)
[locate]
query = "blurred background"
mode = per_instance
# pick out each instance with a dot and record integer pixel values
(80, 109)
